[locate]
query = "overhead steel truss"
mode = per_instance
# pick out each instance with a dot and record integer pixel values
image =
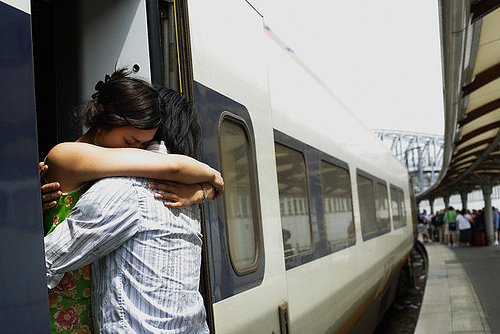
(421, 153)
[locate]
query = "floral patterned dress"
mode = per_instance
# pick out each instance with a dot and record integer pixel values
(69, 301)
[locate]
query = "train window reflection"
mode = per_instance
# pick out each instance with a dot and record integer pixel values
(402, 204)
(239, 198)
(169, 46)
(294, 204)
(366, 195)
(382, 207)
(396, 209)
(397, 204)
(337, 205)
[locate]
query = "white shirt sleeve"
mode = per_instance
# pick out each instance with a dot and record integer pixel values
(104, 217)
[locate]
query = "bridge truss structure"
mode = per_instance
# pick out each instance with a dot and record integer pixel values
(421, 153)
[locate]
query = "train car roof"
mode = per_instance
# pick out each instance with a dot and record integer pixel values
(305, 108)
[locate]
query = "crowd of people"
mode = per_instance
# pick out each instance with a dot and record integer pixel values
(457, 227)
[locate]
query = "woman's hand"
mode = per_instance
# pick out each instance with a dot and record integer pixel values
(179, 195)
(50, 191)
(217, 184)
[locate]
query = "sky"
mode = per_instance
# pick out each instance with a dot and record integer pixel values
(382, 59)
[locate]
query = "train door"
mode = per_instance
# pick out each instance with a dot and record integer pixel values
(23, 296)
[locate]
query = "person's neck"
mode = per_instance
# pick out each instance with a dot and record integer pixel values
(88, 137)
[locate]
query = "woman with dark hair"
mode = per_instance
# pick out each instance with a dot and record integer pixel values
(180, 133)
(123, 116)
(181, 130)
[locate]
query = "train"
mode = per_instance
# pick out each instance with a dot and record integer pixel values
(316, 226)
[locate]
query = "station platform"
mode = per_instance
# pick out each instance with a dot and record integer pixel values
(462, 294)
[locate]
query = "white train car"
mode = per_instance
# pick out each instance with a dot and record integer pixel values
(316, 224)
(314, 163)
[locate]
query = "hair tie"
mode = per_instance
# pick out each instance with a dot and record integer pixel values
(99, 85)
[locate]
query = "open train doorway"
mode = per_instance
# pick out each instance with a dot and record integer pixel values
(76, 43)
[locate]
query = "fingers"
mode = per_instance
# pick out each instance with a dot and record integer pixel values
(171, 201)
(175, 195)
(50, 196)
(211, 191)
(51, 187)
(169, 197)
(161, 186)
(50, 192)
(218, 184)
(175, 205)
(46, 206)
(220, 187)
(42, 168)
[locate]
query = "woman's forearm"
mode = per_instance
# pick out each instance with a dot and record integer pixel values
(72, 164)
(187, 170)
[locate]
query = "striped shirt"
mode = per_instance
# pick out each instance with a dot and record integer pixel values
(145, 258)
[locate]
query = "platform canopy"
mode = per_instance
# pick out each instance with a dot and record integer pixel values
(470, 43)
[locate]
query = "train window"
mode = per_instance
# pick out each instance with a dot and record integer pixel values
(337, 205)
(403, 207)
(294, 203)
(366, 195)
(382, 207)
(168, 45)
(398, 209)
(239, 196)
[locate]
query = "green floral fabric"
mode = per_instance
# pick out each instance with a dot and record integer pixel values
(69, 302)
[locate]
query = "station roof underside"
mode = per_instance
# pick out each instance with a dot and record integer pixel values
(470, 42)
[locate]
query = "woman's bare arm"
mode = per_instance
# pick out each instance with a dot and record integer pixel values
(74, 163)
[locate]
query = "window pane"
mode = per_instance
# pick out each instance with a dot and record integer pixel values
(367, 207)
(337, 205)
(238, 199)
(396, 208)
(382, 202)
(294, 203)
(168, 45)
(402, 206)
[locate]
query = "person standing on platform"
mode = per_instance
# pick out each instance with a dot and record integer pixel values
(480, 229)
(437, 223)
(423, 226)
(430, 228)
(464, 226)
(450, 222)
